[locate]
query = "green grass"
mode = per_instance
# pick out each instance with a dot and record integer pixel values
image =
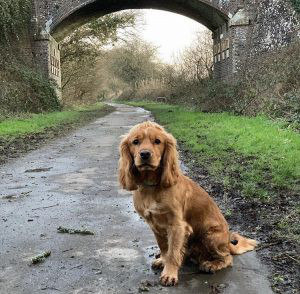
(37, 123)
(256, 155)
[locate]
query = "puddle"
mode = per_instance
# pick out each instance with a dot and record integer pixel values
(142, 110)
(125, 254)
(77, 181)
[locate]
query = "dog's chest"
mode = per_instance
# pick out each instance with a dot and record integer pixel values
(153, 212)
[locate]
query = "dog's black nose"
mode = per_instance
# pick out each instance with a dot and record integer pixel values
(145, 154)
(234, 242)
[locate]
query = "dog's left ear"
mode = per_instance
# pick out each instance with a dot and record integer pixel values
(170, 164)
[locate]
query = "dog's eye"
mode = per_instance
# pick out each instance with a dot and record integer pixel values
(135, 142)
(157, 141)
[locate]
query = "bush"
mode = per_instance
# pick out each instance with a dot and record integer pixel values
(296, 4)
(151, 89)
(23, 88)
(271, 86)
(14, 19)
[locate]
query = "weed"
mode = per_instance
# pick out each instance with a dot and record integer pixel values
(296, 4)
(228, 213)
(14, 18)
(23, 88)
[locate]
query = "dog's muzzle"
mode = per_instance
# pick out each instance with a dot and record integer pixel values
(145, 154)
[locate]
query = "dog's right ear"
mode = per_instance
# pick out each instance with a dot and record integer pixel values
(126, 166)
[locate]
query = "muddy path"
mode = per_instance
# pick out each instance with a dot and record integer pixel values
(72, 182)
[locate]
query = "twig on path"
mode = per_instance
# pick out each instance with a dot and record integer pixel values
(264, 246)
(44, 207)
(10, 196)
(77, 266)
(63, 230)
(50, 288)
(291, 257)
(41, 257)
(67, 250)
(38, 170)
(287, 255)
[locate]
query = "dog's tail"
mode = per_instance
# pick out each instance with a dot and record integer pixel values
(240, 244)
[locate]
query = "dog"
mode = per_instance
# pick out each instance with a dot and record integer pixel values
(185, 220)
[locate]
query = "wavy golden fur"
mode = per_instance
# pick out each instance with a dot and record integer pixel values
(183, 217)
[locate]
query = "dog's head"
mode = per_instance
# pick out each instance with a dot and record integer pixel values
(148, 148)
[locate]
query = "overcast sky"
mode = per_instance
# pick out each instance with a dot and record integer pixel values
(169, 31)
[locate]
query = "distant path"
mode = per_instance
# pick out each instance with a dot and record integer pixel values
(72, 182)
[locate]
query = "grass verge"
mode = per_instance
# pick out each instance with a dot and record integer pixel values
(255, 155)
(26, 132)
(37, 123)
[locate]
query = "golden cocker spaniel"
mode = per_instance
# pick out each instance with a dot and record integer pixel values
(183, 217)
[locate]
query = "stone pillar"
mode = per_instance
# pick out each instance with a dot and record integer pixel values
(231, 41)
(47, 57)
(46, 51)
(240, 43)
(54, 65)
(221, 53)
(41, 55)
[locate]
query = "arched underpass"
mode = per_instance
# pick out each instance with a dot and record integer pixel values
(56, 19)
(69, 18)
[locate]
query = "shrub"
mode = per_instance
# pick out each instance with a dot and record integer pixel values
(296, 4)
(14, 18)
(23, 88)
(270, 86)
(151, 89)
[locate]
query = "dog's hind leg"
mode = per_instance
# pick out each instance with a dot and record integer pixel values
(217, 246)
(217, 264)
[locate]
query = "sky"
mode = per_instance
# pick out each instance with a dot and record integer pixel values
(169, 31)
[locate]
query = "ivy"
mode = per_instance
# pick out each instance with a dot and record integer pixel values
(14, 18)
(296, 4)
(23, 87)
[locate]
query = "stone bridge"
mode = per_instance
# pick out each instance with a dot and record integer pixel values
(231, 23)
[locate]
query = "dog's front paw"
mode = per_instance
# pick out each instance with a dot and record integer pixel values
(169, 278)
(158, 263)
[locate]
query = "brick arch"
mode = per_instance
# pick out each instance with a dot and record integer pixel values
(227, 19)
(68, 15)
